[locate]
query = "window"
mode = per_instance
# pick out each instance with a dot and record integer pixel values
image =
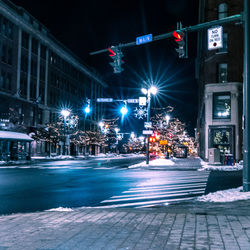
(222, 10)
(225, 39)
(10, 56)
(222, 105)
(4, 53)
(25, 40)
(222, 72)
(34, 45)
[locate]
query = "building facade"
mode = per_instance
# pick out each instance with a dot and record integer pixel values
(39, 76)
(219, 73)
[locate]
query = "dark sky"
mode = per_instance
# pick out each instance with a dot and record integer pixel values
(86, 26)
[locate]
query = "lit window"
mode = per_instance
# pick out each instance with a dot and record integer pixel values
(222, 10)
(222, 72)
(221, 106)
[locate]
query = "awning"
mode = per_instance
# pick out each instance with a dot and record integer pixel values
(14, 136)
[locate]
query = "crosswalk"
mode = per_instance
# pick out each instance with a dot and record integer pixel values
(161, 189)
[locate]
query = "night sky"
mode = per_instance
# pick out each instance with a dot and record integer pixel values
(87, 26)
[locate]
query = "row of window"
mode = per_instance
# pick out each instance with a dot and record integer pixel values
(6, 27)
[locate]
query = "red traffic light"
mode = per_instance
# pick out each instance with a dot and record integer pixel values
(112, 52)
(151, 139)
(178, 37)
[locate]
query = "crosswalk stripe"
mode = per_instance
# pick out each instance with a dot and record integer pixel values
(166, 187)
(199, 191)
(154, 193)
(145, 203)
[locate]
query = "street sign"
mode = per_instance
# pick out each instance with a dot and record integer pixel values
(104, 99)
(215, 37)
(142, 101)
(147, 132)
(144, 39)
(133, 100)
(148, 124)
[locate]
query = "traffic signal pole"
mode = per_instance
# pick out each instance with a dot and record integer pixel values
(246, 100)
(244, 18)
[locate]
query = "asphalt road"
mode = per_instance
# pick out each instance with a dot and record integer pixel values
(96, 182)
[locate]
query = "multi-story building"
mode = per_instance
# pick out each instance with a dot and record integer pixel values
(219, 74)
(39, 75)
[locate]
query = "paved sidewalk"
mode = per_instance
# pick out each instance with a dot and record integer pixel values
(189, 225)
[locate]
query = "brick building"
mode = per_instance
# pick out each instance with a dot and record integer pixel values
(219, 74)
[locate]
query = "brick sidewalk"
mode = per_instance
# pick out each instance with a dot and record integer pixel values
(170, 228)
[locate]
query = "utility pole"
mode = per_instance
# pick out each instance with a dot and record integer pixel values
(148, 120)
(246, 101)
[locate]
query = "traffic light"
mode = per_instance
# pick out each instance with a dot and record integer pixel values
(116, 55)
(181, 39)
(151, 139)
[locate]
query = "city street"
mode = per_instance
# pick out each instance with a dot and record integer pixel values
(96, 182)
(99, 182)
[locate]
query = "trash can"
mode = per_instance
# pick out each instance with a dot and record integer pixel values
(228, 160)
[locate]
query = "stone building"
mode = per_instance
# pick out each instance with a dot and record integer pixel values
(39, 76)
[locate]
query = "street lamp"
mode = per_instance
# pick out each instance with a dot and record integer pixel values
(152, 90)
(124, 110)
(65, 113)
(167, 118)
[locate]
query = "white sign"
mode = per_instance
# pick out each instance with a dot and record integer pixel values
(215, 38)
(147, 132)
(104, 99)
(142, 101)
(132, 100)
(148, 124)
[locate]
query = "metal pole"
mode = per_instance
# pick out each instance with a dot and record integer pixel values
(64, 142)
(148, 120)
(246, 101)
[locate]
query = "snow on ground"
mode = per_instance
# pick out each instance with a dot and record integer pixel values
(157, 162)
(207, 167)
(228, 195)
(60, 209)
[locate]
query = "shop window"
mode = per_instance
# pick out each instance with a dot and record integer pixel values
(221, 106)
(222, 72)
(222, 10)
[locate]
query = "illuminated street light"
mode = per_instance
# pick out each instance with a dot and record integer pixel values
(144, 91)
(65, 113)
(87, 110)
(101, 124)
(153, 90)
(124, 110)
(167, 118)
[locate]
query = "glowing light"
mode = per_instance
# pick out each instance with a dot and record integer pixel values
(153, 90)
(65, 112)
(87, 110)
(101, 124)
(117, 130)
(167, 118)
(144, 91)
(124, 110)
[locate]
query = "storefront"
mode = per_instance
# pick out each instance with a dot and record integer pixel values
(14, 146)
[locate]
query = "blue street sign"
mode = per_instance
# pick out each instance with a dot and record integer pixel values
(104, 99)
(144, 39)
(133, 100)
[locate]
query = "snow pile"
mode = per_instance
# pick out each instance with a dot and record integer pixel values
(157, 162)
(60, 209)
(229, 195)
(208, 167)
